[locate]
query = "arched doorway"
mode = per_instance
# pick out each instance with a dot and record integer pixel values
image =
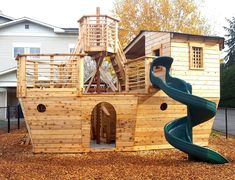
(103, 126)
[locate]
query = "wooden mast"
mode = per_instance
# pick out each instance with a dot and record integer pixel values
(100, 59)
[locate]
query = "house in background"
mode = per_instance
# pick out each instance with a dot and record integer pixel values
(26, 35)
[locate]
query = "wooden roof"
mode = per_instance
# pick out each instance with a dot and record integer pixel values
(140, 40)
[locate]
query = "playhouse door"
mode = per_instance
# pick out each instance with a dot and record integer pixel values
(103, 123)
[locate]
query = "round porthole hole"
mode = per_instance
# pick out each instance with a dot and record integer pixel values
(163, 106)
(41, 108)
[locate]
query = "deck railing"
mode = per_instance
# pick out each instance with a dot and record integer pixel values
(137, 74)
(99, 33)
(49, 71)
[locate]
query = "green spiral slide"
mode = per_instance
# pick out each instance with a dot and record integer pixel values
(179, 131)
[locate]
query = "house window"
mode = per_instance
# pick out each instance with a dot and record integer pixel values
(34, 50)
(18, 50)
(71, 48)
(26, 50)
(26, 26)
(196, 58)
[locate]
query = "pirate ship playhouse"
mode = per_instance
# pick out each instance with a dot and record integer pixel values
(63, 115)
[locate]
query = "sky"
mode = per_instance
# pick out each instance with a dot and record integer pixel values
(65, 13)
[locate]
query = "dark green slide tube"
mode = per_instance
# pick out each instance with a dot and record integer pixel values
(179, 131)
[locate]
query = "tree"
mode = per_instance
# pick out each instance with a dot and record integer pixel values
(161, 15)
(230, 42)
(227, 79)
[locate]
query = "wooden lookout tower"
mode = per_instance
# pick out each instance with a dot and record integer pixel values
(98, 38)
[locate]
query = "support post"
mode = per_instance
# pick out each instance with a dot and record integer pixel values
(98, 78)
(22, 76)
(18, 116)
(80, 76)
(98, 123)
(226, 122)
(8, 119)
(35, 74)
(51, 71)
(98, 30)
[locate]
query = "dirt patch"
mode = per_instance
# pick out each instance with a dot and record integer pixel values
(18, 162)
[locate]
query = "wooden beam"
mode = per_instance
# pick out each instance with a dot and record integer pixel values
(23, 77)
(98, 64)
(98, 123)
(98, 77)
(51, 71)
(104, 109)
(80, 76)
(91, 80)
(56, 54)
(35, 73)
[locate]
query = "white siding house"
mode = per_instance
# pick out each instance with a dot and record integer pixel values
(26, 35)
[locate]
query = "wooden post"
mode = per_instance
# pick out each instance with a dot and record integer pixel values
(35, 73)
(98, 76)
(127, 79)
(51, 71)
(116, 37)
(80, 76)
(87, 34)
(98, 123)
(61, 73)
(98, 30)
(148, 62)
(226, 122)
(22, 76)
(107, 33)
(98, 64)
(18, 78)
(18, 115)
(8, 119)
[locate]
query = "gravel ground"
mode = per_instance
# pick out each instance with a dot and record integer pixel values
(18, 162)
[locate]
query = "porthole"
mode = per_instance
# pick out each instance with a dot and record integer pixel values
(163, 106)
(41, 108)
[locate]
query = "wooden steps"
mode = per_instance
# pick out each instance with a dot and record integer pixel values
(118, 62)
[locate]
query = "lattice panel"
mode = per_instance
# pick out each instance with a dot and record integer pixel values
(197, 58)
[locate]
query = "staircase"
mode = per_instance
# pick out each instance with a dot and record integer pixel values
(118, 61)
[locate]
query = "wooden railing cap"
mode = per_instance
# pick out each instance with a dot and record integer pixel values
(56, 54)
(87, 16)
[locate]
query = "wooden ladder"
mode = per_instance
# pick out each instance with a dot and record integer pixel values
(118, 61)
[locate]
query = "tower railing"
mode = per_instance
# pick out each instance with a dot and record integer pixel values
(99, 33)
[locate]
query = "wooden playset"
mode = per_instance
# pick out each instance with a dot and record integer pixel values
(62, 115)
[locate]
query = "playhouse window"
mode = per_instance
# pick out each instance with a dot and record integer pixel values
(196, 58)
(157, 52)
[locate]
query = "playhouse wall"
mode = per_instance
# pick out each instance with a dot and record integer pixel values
(66, 123)
(151, 120)
(157, 40)
(206, 81)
